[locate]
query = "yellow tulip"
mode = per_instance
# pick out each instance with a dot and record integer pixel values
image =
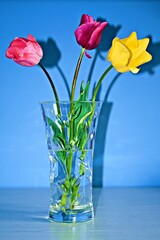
(129, 53)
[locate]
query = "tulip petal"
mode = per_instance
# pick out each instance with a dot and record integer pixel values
(87, 55)
(18, 42)
(131, 42)
(83, 33)
(25, 63)
(31, 38)
(119, 56)
(142, 45)
(143, 58)
(96, 36)
(86, 19)
(134, 69)
(34, 47)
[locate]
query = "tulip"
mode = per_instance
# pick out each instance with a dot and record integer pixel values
(25, 51)
(88, 34)
(129, 53)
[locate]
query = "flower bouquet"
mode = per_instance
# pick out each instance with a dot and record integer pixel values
(71, 125)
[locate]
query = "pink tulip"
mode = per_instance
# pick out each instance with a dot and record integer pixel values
(88, 34)
(25, 51)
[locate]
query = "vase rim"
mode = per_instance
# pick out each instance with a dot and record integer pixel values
(66, 102)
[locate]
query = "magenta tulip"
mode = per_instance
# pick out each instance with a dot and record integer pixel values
(88, 34)
(25, 51)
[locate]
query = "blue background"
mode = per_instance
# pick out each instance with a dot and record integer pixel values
(128, 147)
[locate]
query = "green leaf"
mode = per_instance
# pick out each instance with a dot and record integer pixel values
(60, 122)
(84, 92)
(81, 170)
(75, 193)
(73, 181)
(77, 112)
(82, 109)
(62, 155)
(63, 199)
(81, 87)
(85, 111)
(66, 185)
(58, 136)
(82, 136)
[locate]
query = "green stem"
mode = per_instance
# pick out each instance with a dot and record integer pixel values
(75, 78)
(69, 163)
(72, 94)
(100, 81)
(53, 88)
(70, 157)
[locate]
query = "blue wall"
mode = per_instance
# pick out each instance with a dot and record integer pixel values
(128, 149)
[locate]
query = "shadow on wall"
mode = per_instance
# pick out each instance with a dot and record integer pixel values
(51, 58)
(154, 50)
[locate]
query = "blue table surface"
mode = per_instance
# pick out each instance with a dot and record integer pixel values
(120, 213)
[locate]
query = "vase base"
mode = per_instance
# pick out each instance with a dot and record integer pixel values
(71, 217)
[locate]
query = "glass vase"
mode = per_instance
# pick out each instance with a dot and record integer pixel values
(70, 132)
